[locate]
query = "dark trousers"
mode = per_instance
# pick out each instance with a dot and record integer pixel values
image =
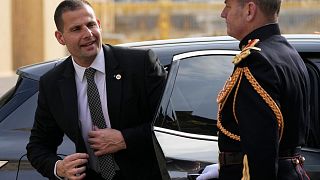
(231, 172)
(287, 170)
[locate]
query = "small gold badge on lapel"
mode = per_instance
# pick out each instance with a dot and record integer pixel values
(118, 76)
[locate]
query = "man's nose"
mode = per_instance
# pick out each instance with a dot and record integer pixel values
(223, 13)
(87, 32)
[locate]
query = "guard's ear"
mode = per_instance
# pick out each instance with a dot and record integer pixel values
(251, 10)
(59, 37)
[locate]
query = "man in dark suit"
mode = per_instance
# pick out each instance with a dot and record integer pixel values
(129, 83)
(263, 107)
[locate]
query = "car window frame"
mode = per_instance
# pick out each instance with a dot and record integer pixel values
(173, 72)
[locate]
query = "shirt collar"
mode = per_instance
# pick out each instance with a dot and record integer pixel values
(98, 64)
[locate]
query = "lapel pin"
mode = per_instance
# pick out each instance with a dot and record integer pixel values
(118, 76)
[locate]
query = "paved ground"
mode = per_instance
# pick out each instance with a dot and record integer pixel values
(6, 82)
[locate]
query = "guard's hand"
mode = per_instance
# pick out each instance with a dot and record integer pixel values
(209, 172)
(106, 141)
(73, 166)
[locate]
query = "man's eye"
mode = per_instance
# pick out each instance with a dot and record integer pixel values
(75, 29)
(92, 25)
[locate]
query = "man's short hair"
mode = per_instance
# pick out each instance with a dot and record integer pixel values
(268, 7)
(64, 6)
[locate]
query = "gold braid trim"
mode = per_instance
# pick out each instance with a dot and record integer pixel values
(235, 97)
(245, 170)
(267, 98)
(223, 96)
(225, 131)
(229, 84)
(225, 92)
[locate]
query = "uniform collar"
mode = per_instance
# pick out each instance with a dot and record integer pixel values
(261, 33)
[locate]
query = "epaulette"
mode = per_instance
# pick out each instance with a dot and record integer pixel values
(246, 51)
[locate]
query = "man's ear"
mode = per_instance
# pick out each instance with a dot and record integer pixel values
(99, 23)
(59, 37)
(251, 10)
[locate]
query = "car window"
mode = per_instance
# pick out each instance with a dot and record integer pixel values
(185, 127)
(24, 89)
(5, 98)
(19, 119)
(313, 66)
(192, 106)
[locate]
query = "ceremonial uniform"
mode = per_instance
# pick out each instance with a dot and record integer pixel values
(263, 110)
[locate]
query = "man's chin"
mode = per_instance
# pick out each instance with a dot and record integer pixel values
(92, 51)
(92, 47)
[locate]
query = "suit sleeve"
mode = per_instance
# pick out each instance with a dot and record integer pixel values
(154, 81)
(257, 122)
(45, 137)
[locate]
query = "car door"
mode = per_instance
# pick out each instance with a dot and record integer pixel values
(185, 126)
(17, 109)
(311, 152)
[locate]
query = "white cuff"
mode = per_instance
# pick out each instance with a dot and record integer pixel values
(55, 172)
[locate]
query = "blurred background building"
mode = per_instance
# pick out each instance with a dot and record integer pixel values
(27, 33)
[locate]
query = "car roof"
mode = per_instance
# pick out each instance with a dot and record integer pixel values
(166, 49)
(153, 43)
(35, 71)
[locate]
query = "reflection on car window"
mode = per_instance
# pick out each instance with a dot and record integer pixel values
(192, 106)
(4, 99)
(313, 66)
(19, 119)
(23, 90)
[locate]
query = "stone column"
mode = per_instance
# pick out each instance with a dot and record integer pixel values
(27, 32)
(6, 43)
(52, 48)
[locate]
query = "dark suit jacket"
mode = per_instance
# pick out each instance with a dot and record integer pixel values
(132, 102)
(281, 72)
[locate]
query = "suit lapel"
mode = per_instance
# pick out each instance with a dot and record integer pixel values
(68, 92)
(114, 79)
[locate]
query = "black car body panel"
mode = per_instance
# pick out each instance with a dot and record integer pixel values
(186, 135)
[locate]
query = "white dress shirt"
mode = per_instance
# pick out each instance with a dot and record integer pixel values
(83, 106)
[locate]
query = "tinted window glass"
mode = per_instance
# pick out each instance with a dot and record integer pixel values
(24, 89)
(313, 66)
(5, 98)
(192, 107)
(23, 116)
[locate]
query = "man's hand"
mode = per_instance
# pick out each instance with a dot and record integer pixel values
(72, 166)
(106, 141)
(209, 172)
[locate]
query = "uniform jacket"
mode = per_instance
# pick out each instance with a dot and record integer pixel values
(132, 101)
(281, 72)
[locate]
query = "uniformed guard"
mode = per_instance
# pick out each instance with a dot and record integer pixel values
(263, 107)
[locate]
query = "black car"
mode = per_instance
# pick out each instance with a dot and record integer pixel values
(185, 125)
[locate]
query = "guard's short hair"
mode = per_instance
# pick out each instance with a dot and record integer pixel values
(64, 6)
(268, 7)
